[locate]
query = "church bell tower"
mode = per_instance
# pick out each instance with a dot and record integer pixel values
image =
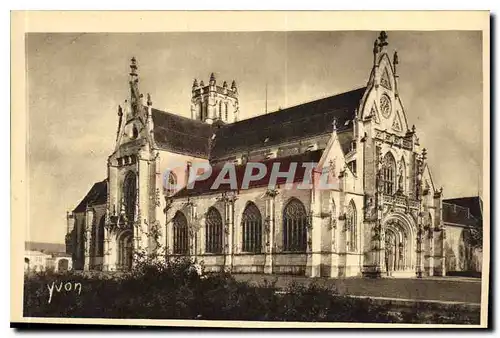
(213, 103)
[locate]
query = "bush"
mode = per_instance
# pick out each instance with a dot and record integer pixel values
(177, 290)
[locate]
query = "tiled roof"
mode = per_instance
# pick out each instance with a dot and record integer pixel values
(204, 186)
(180, 134)
(294, 123)
(187, 136)
(97, 195)
(456, 214)
(474, 203)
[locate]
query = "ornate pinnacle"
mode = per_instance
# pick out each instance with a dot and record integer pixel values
(395, 59)
(120, 110)
(382, 39)
(212, 78)
(133, 67)
(233, 85)
(195, 83)
(224, 85)
(149, 102)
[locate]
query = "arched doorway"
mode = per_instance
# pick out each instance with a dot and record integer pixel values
(125, 250)
(400, 246)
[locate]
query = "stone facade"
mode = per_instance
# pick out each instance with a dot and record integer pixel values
(381, 217)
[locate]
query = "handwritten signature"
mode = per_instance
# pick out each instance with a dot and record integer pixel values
(64, 287)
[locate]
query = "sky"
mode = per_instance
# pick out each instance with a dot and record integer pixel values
(75, 83)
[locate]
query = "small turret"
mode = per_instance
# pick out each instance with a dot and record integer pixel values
(212, 79)
(233, 87)
(195, 84)
(224, 85)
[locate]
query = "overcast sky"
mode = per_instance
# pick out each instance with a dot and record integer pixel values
(76, 82)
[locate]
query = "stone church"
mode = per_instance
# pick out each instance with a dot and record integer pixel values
(384, 216)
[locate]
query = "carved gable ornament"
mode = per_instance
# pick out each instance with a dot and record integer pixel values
(374, 113)
(396, 124)
(384, 81)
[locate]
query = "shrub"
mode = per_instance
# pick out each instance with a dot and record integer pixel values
(177, 290)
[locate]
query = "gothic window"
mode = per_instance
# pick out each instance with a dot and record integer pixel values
(295, 227)
(252, 229)
(213, 234)
(226, 114)
(181, 238)
(170, 184)
(100, 238)
(388, 173)
(351, 228)
(130, 195)
(220, 110)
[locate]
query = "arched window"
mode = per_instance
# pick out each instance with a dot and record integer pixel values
(130, 195)
(170, 184)
(388, 173)
(213, 234)
(295, 226)
(100, 238)
(220, 110)
(226, 114)
(351, 226)
(181, 238)
(252, 229)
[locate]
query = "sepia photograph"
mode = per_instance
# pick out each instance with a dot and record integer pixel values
(254, 177)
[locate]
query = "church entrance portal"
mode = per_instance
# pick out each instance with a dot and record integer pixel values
(125, 250)
(399, 249)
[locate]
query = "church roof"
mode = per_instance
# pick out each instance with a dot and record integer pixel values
(204, 186)
(289, 124)
(187, 136)
(456, 214)
(97, 195)
(180, 134)
(473, 203)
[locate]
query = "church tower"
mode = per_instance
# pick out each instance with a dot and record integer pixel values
(213, 103)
